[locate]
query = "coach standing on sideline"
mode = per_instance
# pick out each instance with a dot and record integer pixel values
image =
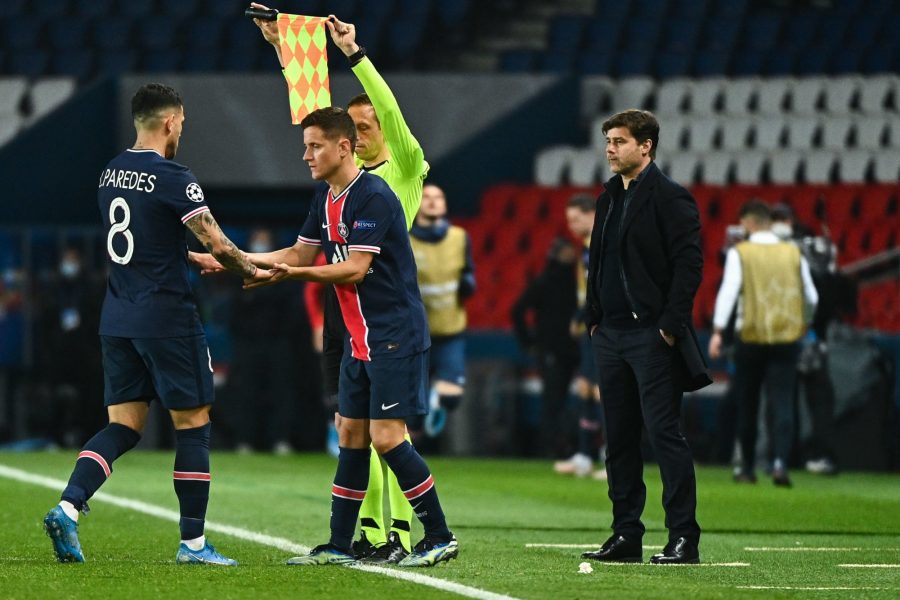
(645, 267)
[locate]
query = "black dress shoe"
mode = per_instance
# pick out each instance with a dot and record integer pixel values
(679, 551)
(617, 548)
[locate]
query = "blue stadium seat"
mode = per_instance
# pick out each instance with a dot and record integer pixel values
(688, 9)
(680, 35)
(644, 32)
(747, 62)
(672, 64)
(94, 8)
(226, 8)
(50, 9)
(709, 64)
(136, 8)
(720, 35)
(31, 63)
(404, 36)
(595, 63)
(760, 31)
(602, 36)
(406, 8)
(799, 30)
(180, 9)
(634, 61)
(21, 33)
(241, 60)
(848, 60)
(12, 8)
(205, 33)
(845, 8)
(782, 62)
(345, 10)
(649, 8)
(77, 63)
(378, 12)
(732, 9)
(116, 62)
(880, 7)
(566, 32)
(452, 12)
(112, 33)
(312, 8)
(157, 33)
(814, 60)
(517, 61)
(556, 61)
(880, 59)
(242, 33)
(865, 29)
(832, 30)
(67, 33)
(201, 61)
(160, 61)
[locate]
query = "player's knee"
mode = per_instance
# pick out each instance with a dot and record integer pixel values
(190, 418)
(387, 435)
(352, 433)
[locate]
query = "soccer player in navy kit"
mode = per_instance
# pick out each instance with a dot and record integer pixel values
(152, 340)
(359, 223)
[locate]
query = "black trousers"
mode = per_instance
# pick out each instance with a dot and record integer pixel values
(776, 366)
(637, 379)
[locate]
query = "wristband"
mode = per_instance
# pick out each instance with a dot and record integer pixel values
(357, 56)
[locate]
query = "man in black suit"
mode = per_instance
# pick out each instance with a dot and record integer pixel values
(645, 267)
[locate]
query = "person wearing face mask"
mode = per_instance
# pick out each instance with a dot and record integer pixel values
(66, 327)
(265, 357)
(446, 275)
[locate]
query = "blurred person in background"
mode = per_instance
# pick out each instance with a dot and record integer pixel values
(770, 282)
(542, 318)
(580, 212)
(264, 359)
(68, 353)
(446, 275)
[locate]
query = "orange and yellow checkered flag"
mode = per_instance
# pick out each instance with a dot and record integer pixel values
(305, 59)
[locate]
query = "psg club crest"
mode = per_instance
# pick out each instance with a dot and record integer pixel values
(194, 193)
(342, 230)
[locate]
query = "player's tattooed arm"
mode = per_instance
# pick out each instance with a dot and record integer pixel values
(226, 254)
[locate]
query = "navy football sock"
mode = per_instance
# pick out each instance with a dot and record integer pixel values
(347, 493)
(588, 429)
(418, 487)
(94, 463)
(191, 478)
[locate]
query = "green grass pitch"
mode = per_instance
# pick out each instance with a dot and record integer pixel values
(758, 542)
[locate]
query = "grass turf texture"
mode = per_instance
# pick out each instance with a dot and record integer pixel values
(495, 507)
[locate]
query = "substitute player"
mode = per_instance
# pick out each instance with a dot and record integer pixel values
(358, 222)
(152, 340)
(385, 147)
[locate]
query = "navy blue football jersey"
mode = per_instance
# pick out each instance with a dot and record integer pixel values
(144, 201)
(384, 313)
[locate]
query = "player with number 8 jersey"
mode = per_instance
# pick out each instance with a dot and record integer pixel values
(152, 342)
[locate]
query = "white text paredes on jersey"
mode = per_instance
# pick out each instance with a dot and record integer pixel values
(128, 180)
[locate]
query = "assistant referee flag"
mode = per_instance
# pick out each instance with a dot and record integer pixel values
(305, 60)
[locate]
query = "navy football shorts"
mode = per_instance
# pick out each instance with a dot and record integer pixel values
(177, 370)
(448, 358)
(387, 388)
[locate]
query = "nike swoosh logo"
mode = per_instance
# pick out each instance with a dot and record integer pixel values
(389, 406)
(324, 225)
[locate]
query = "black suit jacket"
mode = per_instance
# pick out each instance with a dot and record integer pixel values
(662, 262)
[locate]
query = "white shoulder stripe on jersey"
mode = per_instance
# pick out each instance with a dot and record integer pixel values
(373, 249)
(194, 213)
(308, 241)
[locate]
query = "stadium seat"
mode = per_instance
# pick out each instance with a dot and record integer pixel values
(345, 10)
(404, 36)
(158, 33)
(565, 33)
(198, 61)
(819, 166)
(836, 132)
(116, 62)
(855, 165)
(48, 93)
(584, 167)
(10, 124)
(633, 92)
(112, 33)
(244, 59)
(602, 36)
(768, 132)
(242, 34)
(871, 132)
(21, 33)
(841, 93)
(160, 61)
(760, 31)
(517, 61)
(673, 64)
(596, 96)
(806, 94)
(683, 167)
(736, 133)
(749, 166)
(203, 35)
(748, 62)
(772, 95)
(555, 62)
(705, 95)
(717, 168)
(31, 63)
(550, 164)
(703, 133)
(67, 33)
(634, 62)
(135, 9)
(595, 63)
(12, 8)
(12, 92)
(784, 166)
(76, 63)
(671, 97)
(673, 133)
(452, 12)
(50, 9)
(802, 132)
(738, 95)
(183, 9)
(887, 167)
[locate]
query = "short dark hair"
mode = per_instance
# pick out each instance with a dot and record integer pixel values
(334, 122)
(363, 100)
(152, 98)
(583, 202)
(757, 210)
(641, 123)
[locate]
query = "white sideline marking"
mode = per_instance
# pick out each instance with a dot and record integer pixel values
(818, 549)
(252, 536)
(702, 564)
(870, 566)
(806, 588)
(579, 546)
